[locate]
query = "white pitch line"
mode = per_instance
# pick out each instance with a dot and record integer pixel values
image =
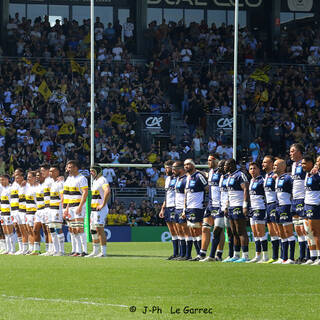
(64, 301)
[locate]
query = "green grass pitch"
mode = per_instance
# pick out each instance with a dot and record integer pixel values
(137, 274)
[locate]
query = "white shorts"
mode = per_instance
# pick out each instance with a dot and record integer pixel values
(99, 217)
(38, 216)
(226, 222)
(14, 216)
(45, 215)
(73, 215)
(55, 216)
(30, 219)
(6, 220)
(219, 222)
(21, 218)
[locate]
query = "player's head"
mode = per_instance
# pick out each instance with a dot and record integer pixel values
(54, 172)
(73, 167)
(221, 164)
(168, 167)
(18, 171)
(4, 180)
(31, 177)
(279, 167)
(212, 162)
(39, 177)
(177, 168)
(230, 166)
(254, 169)
(296, 151)
(44, 169)
(267, 163)
(307, 163)
(95, 171)
(189, 166)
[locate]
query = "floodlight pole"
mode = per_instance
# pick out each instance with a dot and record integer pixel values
(235, 76)
(92, 81)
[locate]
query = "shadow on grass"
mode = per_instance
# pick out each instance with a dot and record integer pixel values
(133, 256)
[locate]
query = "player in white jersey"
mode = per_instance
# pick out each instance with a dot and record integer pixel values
(31, 209)
(75, 195)
(298, 193)
(168, 208)
(6, 216)
(44, 171)
(55, 212)
(3, 246)
(99, 210)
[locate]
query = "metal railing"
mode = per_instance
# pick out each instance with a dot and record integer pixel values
(137, 194)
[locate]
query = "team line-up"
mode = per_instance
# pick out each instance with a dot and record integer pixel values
(43, 202)
(271, 197)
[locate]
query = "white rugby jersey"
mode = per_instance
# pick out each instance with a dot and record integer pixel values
(195, 191)
(30, 194)
(73, 189)
(284, 189)
(180, 192)
(22, 198)
(169, 187)
(223, 191)
(256, 192)
(214, 189)
(298, 177)
(312, 187)
(40, 197)
(46, 191)
(14, 198)
(269, 188)
(56, 190)
(98, 192)
(5, 201)
(235, 192)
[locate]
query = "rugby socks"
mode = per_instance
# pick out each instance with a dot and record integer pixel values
(196, 245)
(3, 244)
(12, 242)
(236, 251)
(275, 247)
(6, 246)
(47, 246)
(189, 247)
(318, 254)
(203, 253)
(258, 245)
(31, 247)
(24, 247)
(61, 242)
(199, 240)
(95, 248)
(73, 242)
(175, 245)
(231, 247)
(245, 252)
(104, 250)
(292, 244)
(219, 254)
(264, 245)
(313, 254)
(183, 247)
(36, 246)
(285, 247)
(214, 243)
(55, 242)
(20, 243)
(78, 243)
(302, 246)
(308, 253)
(83, 239)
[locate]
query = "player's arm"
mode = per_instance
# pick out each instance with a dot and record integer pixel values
(161, 213)
(245, 188)
(107, 191)
(83, 199)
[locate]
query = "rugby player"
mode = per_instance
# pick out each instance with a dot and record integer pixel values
(271, 205)
(6, 216)
(312, 210)
(168, 210)
(74, 197)
(3, 246)
(55, 211)
(283, 188)
(99, 210)
(298, 192)
(258, 213)
(184, 234)
(238, 196)
(194, 203)
(213, 214)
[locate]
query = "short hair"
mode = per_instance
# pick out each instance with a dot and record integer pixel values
(298, 146)
(308, 158)
(253, 163)
(32, 172)
(45, 166)
(169, 163)
(6, 176)
(20, 170)
(270, 157)
(178, 164)
(55, 166)
(74, 163)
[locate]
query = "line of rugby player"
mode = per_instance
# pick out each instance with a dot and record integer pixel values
(43, 201)
(270, 198)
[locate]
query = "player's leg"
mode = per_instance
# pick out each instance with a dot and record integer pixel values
(256, 241)
(241, 227)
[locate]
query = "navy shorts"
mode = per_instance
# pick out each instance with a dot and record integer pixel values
(235, 213)
(258, 215)
(169, 214)
(178, 218)
(194, 215)
(284, 214)
(272, 212)
(297, 207)
(312, 212)
(213, 212)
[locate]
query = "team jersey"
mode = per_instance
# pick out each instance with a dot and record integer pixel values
(40, 197)
(98, 192)
(73, 189)
(169, 187)
(56, 190)
(14, 198)
(270, 188)
(284, 189)
(22, 198)
(298, 177)
(30, 195)
(195, 190)
(235, 192)
(257, 195)
(180, 191)
(46, 191)
(312, 188)
(5, 201)
(214, 189)
(223, 191)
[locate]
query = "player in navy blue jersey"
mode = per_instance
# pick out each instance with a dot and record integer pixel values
(194, 202)
(213, 214)
(184, 235)
(312, 209)
(258, 213)
(271, 205)
(284, 185)
(238, 197)
(168, 207)
(298, 192)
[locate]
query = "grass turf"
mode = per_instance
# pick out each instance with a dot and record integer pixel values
(137, 274)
